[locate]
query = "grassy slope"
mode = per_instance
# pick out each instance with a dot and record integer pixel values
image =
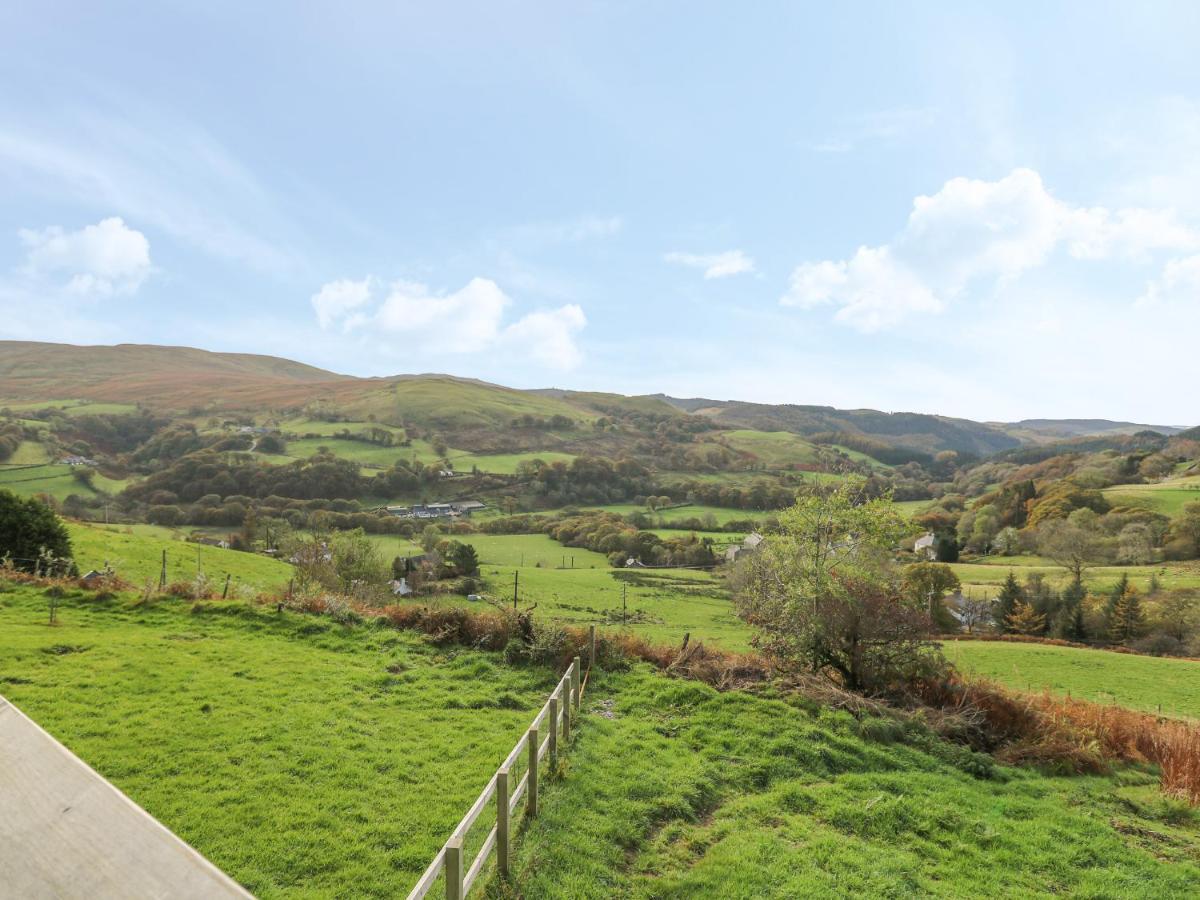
(678, 513)
(135, 553)
(55, 480)
(676, 791)
(1137, 682)
(29, 453)
(303, 758)
(449, 402)
(503, 463)
(1166, 497)
(774, 449)
(1098, 579)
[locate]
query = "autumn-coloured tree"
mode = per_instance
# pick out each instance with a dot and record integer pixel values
(1026, 620)
(1126, 620)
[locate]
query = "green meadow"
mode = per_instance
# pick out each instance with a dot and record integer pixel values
(664, 517)
(503, 463)
(29, 453)
(774, 449)
(135, 553)
(304, 758)
(1097, 579)
(1166, 497)
(674, 790)
(58, 481)
(1149, 683)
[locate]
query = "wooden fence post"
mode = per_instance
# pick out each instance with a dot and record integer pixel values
(566, 708)
(225, 593)
(553, 733)
(502, 855)
(454, 869)
(591, 647)
(531, 786)
(577, 685)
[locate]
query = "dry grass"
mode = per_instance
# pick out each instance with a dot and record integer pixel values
(1071, 735)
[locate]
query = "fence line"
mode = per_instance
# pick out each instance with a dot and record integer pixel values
(563, 703)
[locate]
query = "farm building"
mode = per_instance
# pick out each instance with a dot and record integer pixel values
(77, 461)
(748, 545)
(925, 545)
(436, 510)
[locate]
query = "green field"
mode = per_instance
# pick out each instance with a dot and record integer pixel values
(29, 453)
(774, 449)
(677, 791)
(302, 757)
(1097, 579)
(450, 402)
(503, 463)
(58, 481)
(678, 513)
(135, 553)
(356, 451)
(909, 508)
(1137, 682)
(1166, 497)
(318, 426)
(73, 407)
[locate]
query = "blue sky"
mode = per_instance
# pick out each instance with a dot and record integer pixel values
(987, 212)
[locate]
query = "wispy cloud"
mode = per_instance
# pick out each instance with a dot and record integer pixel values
(534, 235)
(872, 127)
(162, 172)
(714, 265)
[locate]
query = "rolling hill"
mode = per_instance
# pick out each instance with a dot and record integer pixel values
(193, 381)
(919, 431)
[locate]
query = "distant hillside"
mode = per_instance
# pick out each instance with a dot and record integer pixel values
(1042, 430)
(187, 380)
(168, 377)
(919, 431)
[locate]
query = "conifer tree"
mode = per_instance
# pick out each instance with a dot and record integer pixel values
(1126, 621)
(1010, 595)
(1026, 620)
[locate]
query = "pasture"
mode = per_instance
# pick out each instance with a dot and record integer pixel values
(503, 463)
(664, 517)
(1166, 497)
(135, 553)
(676, 790)
(992, 573)
(302, 757)
(29, 453)
(1148, 683)
(773, 449)
(57, 481)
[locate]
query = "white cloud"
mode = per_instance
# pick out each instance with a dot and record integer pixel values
(339, 299)
(715, 265)
(1179, 283)
(872, 291)
(98, 260)
(548, 336)
(465, 321)
(154, 168)
(468, 320)
(971, 232)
